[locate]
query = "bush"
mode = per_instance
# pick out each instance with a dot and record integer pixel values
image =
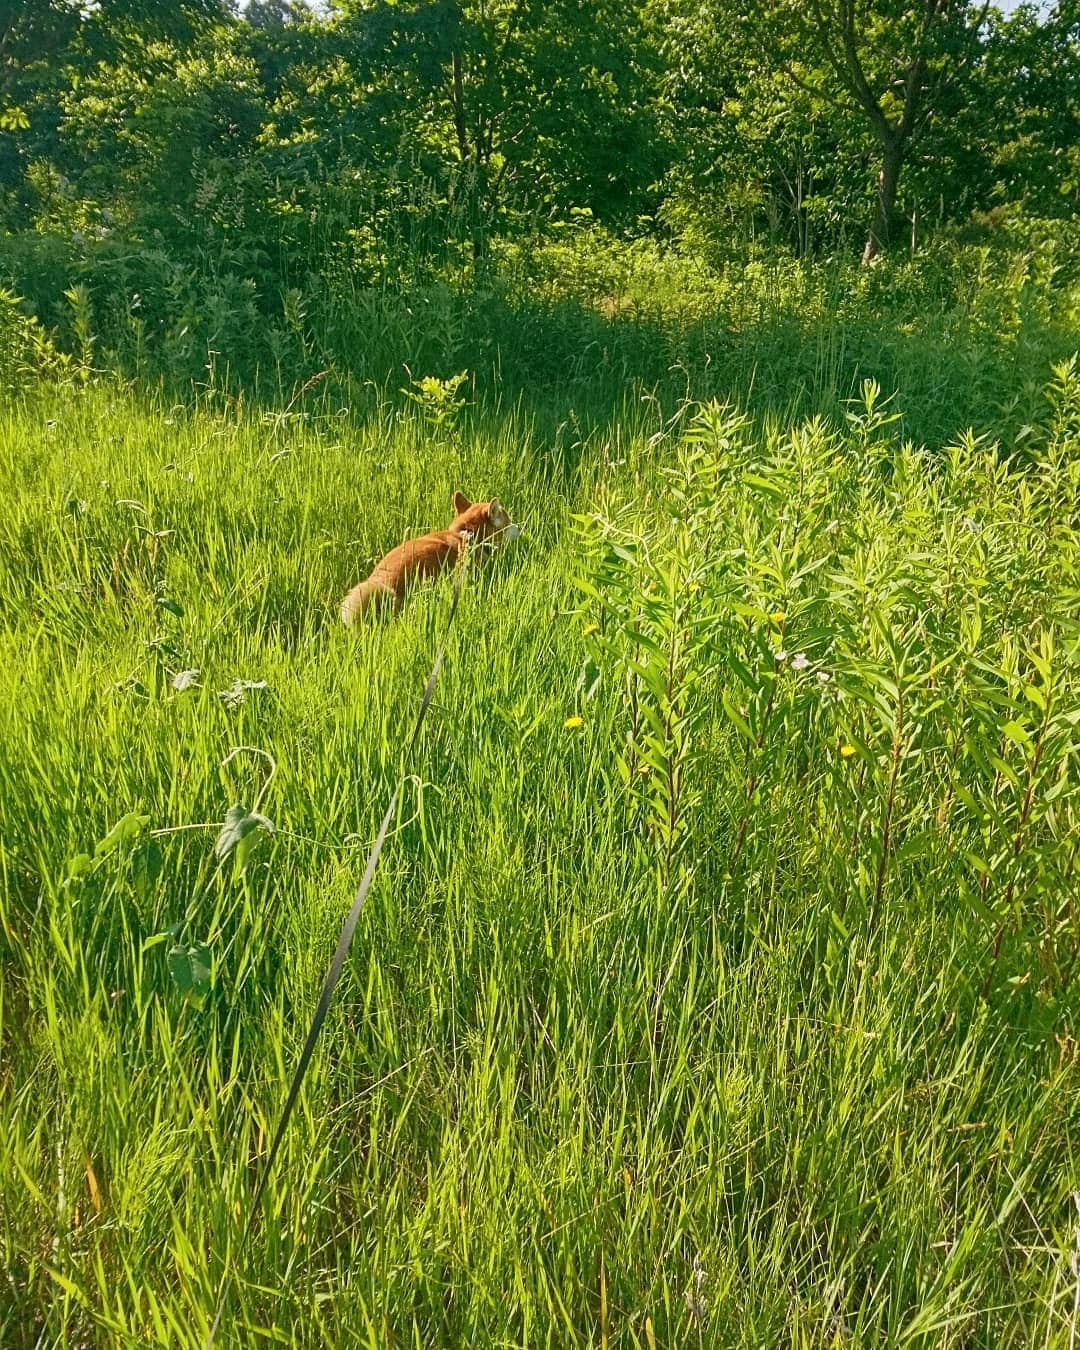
(25, 349)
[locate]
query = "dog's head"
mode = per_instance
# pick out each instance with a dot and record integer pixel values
(484, 521)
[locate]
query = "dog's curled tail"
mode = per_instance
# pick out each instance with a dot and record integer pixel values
(368, 595)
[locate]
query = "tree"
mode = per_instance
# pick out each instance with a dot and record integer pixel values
(43, 43)
(271, 14)
(750, 153)
(890, 63)
(1031, 74)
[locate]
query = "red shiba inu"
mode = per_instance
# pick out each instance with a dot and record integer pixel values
(475, 523)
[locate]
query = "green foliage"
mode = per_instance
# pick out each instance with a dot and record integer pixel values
(927, 647)
(239, 833)
(25, 350)
(719, 983)
(394, 141)
(439, 402)
(737, 859)
(782, 116)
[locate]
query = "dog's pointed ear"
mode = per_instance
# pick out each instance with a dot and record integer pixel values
(495, 508)
(461, 503)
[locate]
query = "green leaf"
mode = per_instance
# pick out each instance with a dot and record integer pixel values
(752, 682)
(146, 864)
(238, 833)
(738, 721)
(777, 491)
(975, 902)
(126, 830)
(969, 800)
(586, 586)
(79, 865)
(14, 119)
(1035, 695)
(190, 970)
(1017, 733)
(645, 640)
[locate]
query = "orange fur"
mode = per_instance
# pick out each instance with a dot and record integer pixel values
(428, 556)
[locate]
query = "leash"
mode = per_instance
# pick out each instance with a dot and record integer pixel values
(337, 964)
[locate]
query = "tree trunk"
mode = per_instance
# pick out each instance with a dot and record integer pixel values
(881, 231)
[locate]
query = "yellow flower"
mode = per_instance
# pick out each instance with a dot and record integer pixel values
(778, 616)
(847, 751)
(591, 628)
(573, 722)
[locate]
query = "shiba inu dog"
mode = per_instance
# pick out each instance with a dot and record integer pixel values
(476, 523)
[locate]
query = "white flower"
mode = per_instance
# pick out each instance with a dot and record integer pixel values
(780, 656)
(824, 676)
(799, 661)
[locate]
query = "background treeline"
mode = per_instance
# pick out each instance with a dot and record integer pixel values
(176, 177)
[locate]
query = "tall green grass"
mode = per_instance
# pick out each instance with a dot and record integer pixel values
(717, 986)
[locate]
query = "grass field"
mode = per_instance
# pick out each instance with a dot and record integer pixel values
(718, 983)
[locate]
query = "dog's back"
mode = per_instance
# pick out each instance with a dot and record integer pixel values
(427, 556)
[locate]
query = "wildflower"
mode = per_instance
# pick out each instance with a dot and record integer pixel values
(573, 722)
(847, 751)
(799, 661)
(237, 692)
(590, 629)
(780, 656)
(824, 676)
(778, 616)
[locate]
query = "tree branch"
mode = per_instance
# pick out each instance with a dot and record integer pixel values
(815, 90)
(884, 128)
(825, 44)
(914, 74)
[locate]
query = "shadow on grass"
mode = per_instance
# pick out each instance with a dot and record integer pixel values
(962, 338)
(575, 368)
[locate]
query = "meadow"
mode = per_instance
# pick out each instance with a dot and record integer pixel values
(718, 984)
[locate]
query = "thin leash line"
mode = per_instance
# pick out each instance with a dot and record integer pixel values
(333, 973)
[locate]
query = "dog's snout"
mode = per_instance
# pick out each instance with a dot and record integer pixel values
(512, 532)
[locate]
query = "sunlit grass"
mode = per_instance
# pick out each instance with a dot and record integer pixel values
(764, 1063)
